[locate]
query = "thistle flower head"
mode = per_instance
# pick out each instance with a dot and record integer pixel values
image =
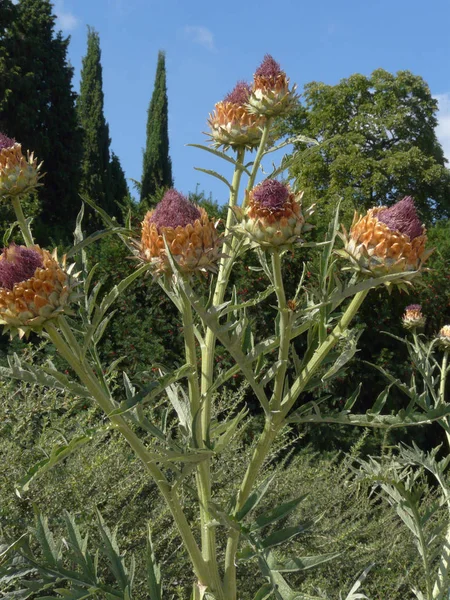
(402, 217)
(34, 288)
(273, 216)
(18, 175)
(231, 124)
(186, 229)
(443, 338)
(386, 241)
(413, 317)
(17, 264)
(271, 95)
(174, 210)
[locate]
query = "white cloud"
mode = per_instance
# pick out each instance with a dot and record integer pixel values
(443, 128)
(200, 35)
(66, 20)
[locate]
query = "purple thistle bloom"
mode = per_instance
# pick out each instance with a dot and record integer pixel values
(268, 68)
(174, 210)
(402, 217)
(271, 194)
(6, 142)
(18, 264)
(240, 94)
(414, 307)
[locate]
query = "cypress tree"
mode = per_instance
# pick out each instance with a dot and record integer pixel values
(37, 108)
(157, 168)
(95, 165)
(119, 186)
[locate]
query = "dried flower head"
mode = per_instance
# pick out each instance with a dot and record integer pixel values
(34, 288)
(190, 235)
(271, 95)
(443, 338)
(386, 241)
(273, 216)
(413, 317)
(231, 124)
(18, 175)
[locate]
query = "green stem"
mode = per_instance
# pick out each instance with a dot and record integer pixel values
(443, 377)
(24, 227)
(443, 381)
(424, 552)
(88, 378)
(259, 456)
(322, 351)
(203, 475)
(258, 157)
(283, 351)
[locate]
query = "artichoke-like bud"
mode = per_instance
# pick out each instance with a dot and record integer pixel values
(232, 125)
(273, 216)
(443, 338)
(190, 235)
(271, 95)
(387, 240)
(34, 288)
(413, 318)
(18, 175)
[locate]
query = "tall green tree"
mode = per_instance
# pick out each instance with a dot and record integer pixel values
(377, 143)
(95, 166)
(118, 182)
(37, 108)
(157, 168)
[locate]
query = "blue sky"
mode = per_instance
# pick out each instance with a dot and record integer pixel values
(211, 45)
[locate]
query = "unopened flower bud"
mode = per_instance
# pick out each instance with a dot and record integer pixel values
(443, 338)
(413, 318)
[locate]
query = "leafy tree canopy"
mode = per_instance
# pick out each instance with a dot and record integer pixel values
(377, 142)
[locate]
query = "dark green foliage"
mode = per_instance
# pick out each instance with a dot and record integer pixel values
(157, 166)
(377, 143)
(96, 170)
(104, 474)
(118, 182)
(37, 108)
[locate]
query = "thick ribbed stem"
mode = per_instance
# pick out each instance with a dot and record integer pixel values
(88, 378)
(283, 350)
(203, 475)
(259, 456)
(24, 227)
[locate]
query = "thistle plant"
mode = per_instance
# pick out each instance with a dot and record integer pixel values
(192, 257)
(400, 475)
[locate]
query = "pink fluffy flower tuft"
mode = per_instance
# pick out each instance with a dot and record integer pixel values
(402, 217)
(268, 68)
(240, 94)
(6, 142)
(174, 210)
(18, 264)
(271, 194)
